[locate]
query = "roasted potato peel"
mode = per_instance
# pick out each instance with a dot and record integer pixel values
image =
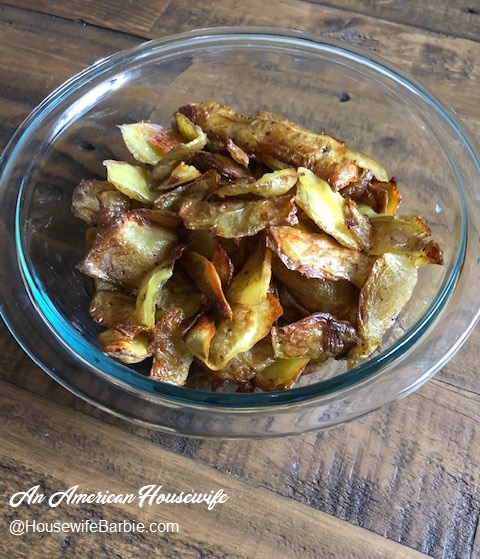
(124, 348)
(387, 289)
(271, 184)
(128, 248)
(171, 357)
(318, 336)
(208, 281)
(249, 325)
(317, 255)
(267, 134)
(280, 375)
(331, 212)
(408, 235)
(245, 249)
(238, 218)
(251, 285)
(98, 202)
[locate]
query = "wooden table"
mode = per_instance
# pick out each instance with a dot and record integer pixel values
(399, 483)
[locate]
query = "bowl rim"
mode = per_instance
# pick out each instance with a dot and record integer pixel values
(342, 384)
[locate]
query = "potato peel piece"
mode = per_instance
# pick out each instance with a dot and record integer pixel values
(386, 291)
(207, 245)
(382, 197)
(404, 235)
(148, 294)
(367, 163)
(98, 202)
(237, 218)
(123, 348)
(318, 295)
(131, 180)
(199, 337)
(250, 286)
(180, 292)
(280, 375)
(318, 255)
(237, 153)
(318, 336)
(171, 357)
(111, 307)
(328, 209)
(225, 166)
(206, 278)
(245, 366)
(180, 152)
(127, 249)
(173, 199)
(248, 326)
(276, 183)
(136, 136)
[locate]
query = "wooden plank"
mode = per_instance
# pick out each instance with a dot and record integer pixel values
(134, 18)
(460, 18)
(30, 73)
(462, 371)
(11, 116)
(59, 452)
(449, 66)
(408, 472)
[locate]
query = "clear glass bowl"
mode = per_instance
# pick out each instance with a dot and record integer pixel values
(327, 87)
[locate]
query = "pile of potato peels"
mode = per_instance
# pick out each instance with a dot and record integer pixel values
(245, 249)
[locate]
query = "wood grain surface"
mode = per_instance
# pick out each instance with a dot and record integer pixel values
(402, 482)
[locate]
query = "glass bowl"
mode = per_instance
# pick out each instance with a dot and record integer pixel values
(329, 87)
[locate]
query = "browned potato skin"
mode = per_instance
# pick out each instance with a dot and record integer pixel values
(387, 289)
(273, 136)
(408, 234)
(206, 244)
(109, 308)
(318, 336)
(125, 348)
(280, 375)
(115, 256)
(98, 202)
(382, 197)
(225, 166)
(324, 287)
(202, 187)
(339, 298)
(245, 366)
(207, 279)
(238, 218)
(316, 255)
(171, 357)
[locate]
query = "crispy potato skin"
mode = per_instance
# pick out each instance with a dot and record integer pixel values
(127, 249)
(387, 289)
(245, 249)
(98, 202)
(234, 218)
(208, 281)
(316, 255)
(318, 336)
(272, 136)
(171, 357)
